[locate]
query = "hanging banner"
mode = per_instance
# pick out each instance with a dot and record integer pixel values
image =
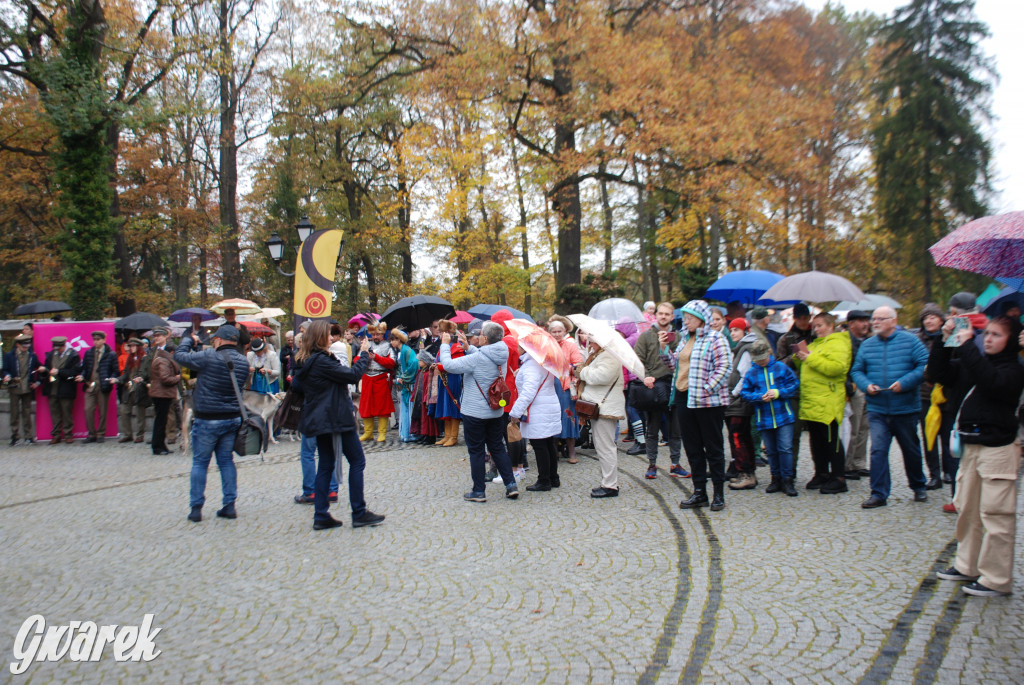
(314, 274)
(79, 335)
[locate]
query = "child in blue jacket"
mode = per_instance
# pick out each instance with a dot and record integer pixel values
(767, 386)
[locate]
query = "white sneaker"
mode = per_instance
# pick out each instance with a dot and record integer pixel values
(497, 479)
(519, 474)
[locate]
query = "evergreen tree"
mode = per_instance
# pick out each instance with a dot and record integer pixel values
(931, 159)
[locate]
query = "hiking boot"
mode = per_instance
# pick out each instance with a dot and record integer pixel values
(744, 481)
(833, 487)
(789, 487)
(774, 486)
(816, 482)
(652, 472)
(227, 512)
(196, 515)
(304, 499)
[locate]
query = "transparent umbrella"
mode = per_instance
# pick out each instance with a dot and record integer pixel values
(616, 308)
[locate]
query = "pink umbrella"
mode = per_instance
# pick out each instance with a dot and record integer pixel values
(461, 317)
(992, 245)
(542, 346)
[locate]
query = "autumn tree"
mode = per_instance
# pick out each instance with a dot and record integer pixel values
(931, 158)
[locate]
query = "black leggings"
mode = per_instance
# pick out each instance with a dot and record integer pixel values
(547, 460)
(826, 448)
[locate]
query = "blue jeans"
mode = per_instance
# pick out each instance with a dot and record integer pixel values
(884, 428)
(208, 438)
(405, 417)
(329, 445)
(483, 435)
(778, 446)
(307, 457)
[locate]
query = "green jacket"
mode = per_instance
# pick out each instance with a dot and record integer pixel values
(823, 379)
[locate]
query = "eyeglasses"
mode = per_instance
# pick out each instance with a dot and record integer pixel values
(882, 318)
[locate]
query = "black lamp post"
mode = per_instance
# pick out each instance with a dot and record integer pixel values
(275, 245)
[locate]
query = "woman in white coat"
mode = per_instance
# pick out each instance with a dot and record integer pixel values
(539, 417)
(601, 381)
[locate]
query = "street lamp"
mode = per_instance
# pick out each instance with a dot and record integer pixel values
(275, 245)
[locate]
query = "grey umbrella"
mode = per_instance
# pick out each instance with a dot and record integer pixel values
(870, 303)
(813, 286)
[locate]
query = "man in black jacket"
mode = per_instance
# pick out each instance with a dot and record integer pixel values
(217, 415)
(58, 373)
(99, 368)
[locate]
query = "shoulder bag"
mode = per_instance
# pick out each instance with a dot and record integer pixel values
(498, 394)
(588, 411)
(251, 437)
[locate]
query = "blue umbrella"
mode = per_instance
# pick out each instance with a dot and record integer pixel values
(746, 287)
(1008, 296)
(185, 315)
(486, 311)
(1016, 283)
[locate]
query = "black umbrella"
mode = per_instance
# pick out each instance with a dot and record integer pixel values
(42, 307)
(418, 311)
(140, 321)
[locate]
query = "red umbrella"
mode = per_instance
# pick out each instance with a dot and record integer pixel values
(992, 245)
(461, 317)
(256, 328)
(542, 346)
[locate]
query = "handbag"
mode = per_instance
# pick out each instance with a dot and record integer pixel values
(643, 398)
(513, 433)
(251, 437)
(288, 414)
(588, 411)
(498, 395)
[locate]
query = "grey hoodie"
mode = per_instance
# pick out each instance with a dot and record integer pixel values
(479, 368)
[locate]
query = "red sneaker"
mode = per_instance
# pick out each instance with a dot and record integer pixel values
(949, 508)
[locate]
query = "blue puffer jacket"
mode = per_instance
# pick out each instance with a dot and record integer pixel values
(214, 397)
(479, 367)
(759, 380)
(883, 361)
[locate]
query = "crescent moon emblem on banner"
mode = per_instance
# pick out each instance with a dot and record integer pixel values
(309, 266)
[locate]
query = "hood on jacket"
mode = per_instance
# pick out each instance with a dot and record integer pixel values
(627, 327)
(929, 309)
(497, 352)
(1012, 348)
(702, 311)
(500, 317)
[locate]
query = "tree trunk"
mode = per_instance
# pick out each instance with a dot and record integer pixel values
(606, 210)
(405, 226)
(641, 236)
(125, 276)
(566, 201)
(652, 253)
(525, 247)
(228, 163)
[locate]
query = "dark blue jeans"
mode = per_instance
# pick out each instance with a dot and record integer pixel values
(210, 438)
(307, 458)
(328, 445)
(778, 445)
(884, 428)
(483, 435)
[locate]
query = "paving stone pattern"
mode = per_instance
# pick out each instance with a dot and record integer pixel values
(553, 588)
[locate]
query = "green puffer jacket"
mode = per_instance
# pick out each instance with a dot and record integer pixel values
(823, 379)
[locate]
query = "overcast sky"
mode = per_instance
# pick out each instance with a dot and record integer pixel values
(1005, 19)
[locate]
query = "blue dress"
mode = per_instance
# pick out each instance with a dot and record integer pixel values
(446, 409)
(570, 426)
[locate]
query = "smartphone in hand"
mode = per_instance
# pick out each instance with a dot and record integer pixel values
(960, 323)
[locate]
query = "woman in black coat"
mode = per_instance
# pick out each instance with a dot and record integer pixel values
(986, 492)
(328, 414)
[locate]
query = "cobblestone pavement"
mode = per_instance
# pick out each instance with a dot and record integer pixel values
(553, 588)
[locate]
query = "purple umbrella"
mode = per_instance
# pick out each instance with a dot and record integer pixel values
(185, 315)
(991, 245)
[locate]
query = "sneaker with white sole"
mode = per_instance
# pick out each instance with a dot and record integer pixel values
(979, 590)
(952, 574)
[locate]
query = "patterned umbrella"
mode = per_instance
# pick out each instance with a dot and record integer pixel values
(992, 245)
(542, 346)
(256, 328)
(238, 304)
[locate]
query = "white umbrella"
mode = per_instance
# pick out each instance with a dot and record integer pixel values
(608, 338)
(870, 303)
(813, 286)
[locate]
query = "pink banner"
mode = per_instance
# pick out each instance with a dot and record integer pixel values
(79, 335)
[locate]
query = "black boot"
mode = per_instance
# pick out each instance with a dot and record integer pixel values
(789, 488)
(934, 483)
(774, 486)
(718, 503)
(699, 498)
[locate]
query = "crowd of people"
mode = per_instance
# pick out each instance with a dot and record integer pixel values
(948, 392)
